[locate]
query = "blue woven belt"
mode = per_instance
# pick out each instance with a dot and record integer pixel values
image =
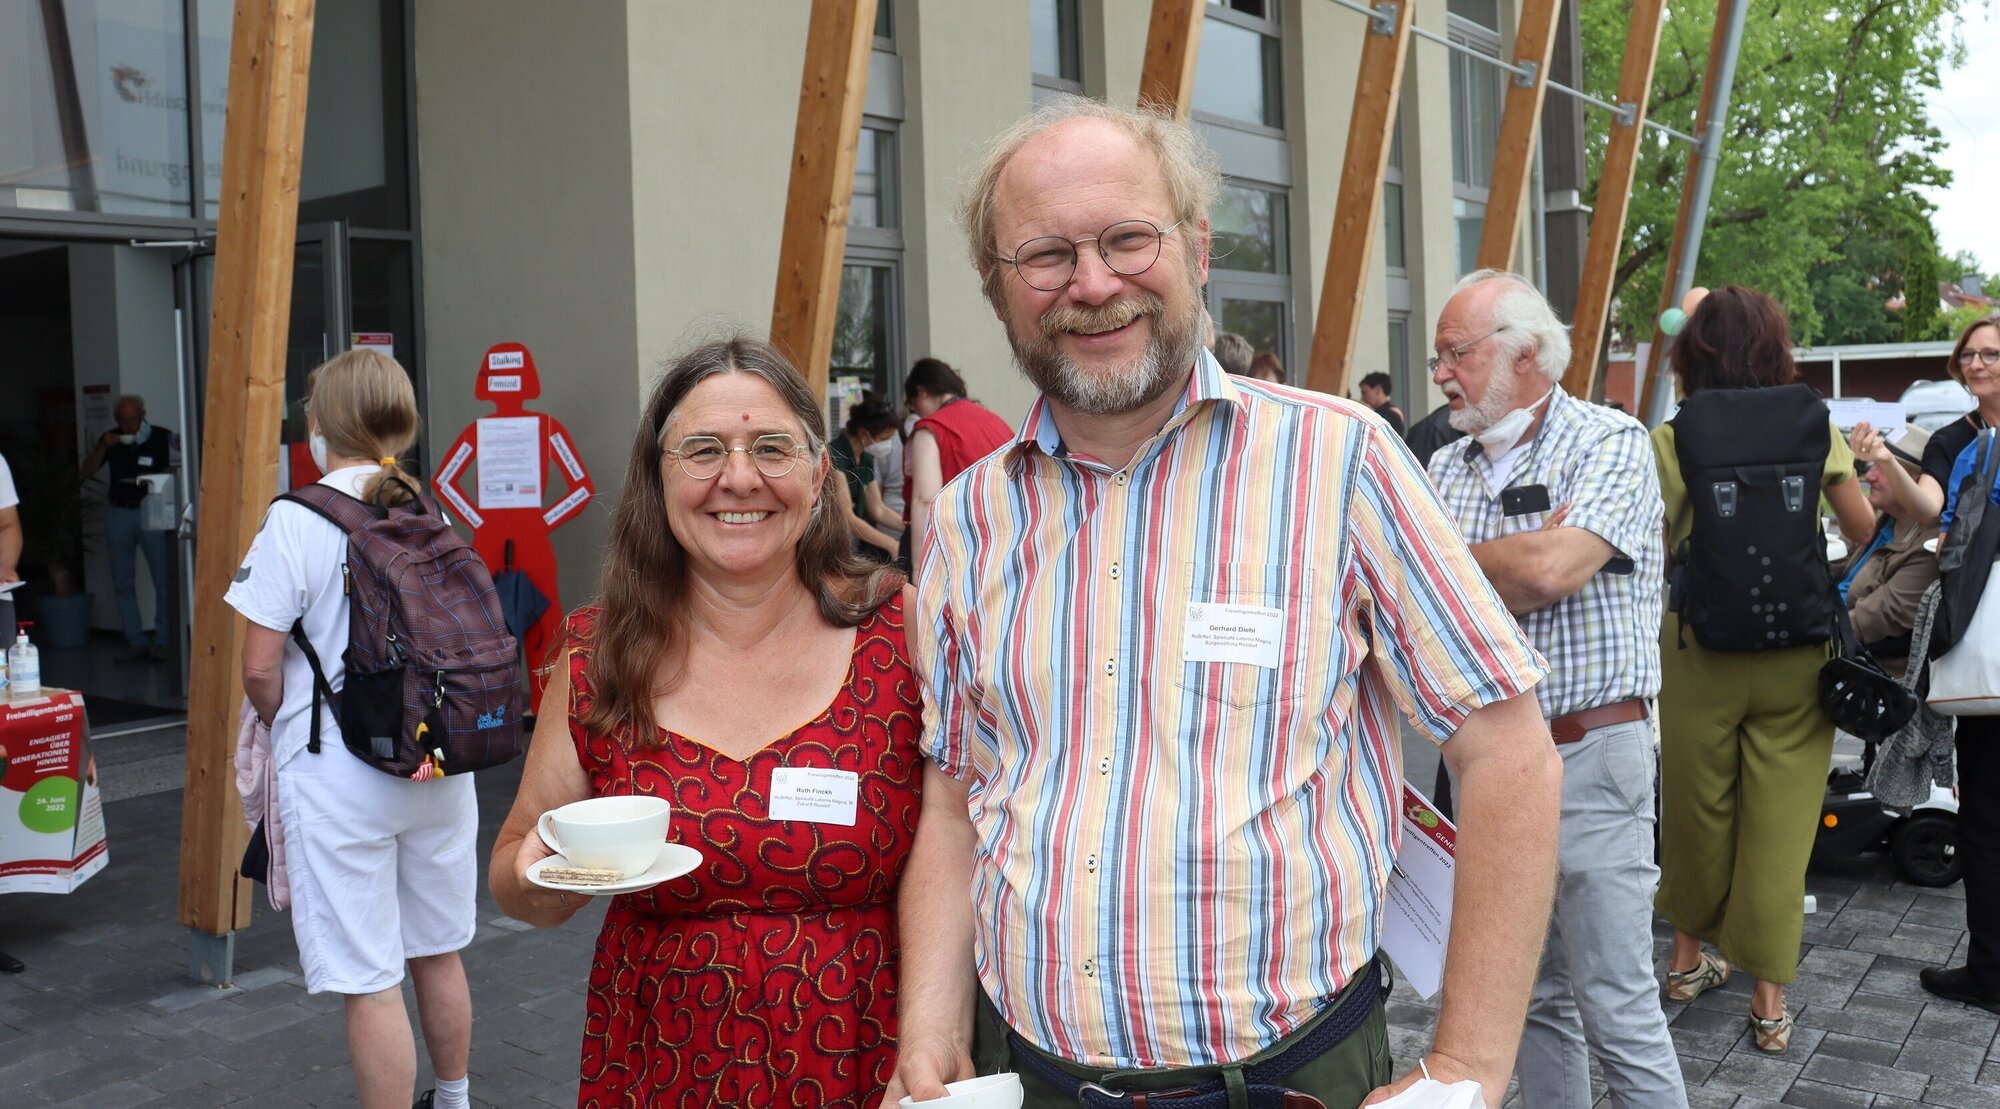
(1259, 1079)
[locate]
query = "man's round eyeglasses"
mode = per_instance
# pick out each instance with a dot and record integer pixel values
(1129, 247)
(703, 456)
(1988, 358)
(1449, 356)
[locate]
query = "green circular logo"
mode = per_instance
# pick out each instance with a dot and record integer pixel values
(50, 806)
(1426, 819)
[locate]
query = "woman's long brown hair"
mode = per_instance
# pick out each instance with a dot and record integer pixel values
(642, 596)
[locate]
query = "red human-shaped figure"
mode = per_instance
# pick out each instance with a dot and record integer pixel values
(519, 446)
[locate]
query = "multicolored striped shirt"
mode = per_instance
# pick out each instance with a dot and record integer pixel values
(1603, 641)
(1172, 689)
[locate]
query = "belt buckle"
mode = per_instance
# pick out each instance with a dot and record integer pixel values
(1084, 1089)
(1566, 729)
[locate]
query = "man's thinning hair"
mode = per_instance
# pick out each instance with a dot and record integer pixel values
(1189, 170)
(1524, 317)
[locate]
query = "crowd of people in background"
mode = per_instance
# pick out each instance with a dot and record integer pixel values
(1117, 697)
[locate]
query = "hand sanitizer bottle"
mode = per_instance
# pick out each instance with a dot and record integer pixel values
(24, 668)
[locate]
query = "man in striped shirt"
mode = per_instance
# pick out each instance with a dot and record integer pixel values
(1560, 503)
(1165, 638)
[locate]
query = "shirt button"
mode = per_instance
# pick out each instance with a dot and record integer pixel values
(1110, 666)
(1090, 968)
(1114, 571)
(1120, 479)
(1090, 864)
(1104, 765)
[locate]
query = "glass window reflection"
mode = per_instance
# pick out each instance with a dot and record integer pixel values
(861, 325)
(93, 107)
(1052, 39)
(874, 200)
(1260, 321)
(1247, 230)
(1236, 74)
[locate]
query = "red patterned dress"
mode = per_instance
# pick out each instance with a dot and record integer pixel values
(768, 976)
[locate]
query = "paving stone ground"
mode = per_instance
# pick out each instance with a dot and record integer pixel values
(107, 1017)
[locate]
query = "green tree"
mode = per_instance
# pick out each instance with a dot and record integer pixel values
(1920, 288)
(1827, 133)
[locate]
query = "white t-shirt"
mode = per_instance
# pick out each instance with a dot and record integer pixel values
(8, 497)
(292, 573)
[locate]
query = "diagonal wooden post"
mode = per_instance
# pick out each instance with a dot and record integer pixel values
(1614, 197)
(1657, 352)
(1357, 211)
(1520, 119)
(1173, 41)
(269, 62)
(831, 88)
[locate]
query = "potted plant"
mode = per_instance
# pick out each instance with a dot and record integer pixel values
(54, 495)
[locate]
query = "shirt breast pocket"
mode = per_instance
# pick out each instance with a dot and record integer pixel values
(1237, 634)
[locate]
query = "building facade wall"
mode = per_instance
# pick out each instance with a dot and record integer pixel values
(526, 156)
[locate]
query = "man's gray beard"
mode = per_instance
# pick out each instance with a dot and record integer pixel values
(1169, 354)
(1498, 401)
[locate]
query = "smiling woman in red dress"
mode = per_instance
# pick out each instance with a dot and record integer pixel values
(734, 641)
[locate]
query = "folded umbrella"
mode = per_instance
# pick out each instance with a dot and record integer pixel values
(521, 604)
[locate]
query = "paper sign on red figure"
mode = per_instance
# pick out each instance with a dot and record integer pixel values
(512, 487)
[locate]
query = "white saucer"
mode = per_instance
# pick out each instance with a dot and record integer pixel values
(675, 860)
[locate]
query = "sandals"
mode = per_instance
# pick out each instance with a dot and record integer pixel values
(1710, 972)
(1772, 1036)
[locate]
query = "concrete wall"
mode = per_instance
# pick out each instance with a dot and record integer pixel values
(524, 117)
(967, 76)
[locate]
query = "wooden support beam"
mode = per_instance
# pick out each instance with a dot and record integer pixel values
(831, 88)
(269, 62)
(1520, 120)
(1173, 40)
(1657, 352)
(1357, 211)
(1614, 197)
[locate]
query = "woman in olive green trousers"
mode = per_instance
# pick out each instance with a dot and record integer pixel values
(1744, 743)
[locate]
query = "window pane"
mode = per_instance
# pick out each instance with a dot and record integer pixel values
(1475, 120)
(1236, 74)
(874, 200)
(1052, 38)
(1470, 218)
(1262, 9)
(1399, 354)
(1486, 13)
(93, 107)
(1247, 229)
(355, 162)
(1392, 226)
(885, 27)
(861, 326)
(1260, 321)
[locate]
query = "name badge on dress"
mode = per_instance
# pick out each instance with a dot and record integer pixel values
(814, 794)
(1252, 634)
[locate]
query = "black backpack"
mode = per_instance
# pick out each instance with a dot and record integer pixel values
(1752, 576)
(432, 674)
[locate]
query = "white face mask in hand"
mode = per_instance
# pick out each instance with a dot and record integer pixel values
(1429, 1093)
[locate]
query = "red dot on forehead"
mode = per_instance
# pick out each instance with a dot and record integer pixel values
(746, 417)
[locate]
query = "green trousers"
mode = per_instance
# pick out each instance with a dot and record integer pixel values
(1744, 751)
(1341, 1077)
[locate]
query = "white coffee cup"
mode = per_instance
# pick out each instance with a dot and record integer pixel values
(993, 1091)
(624, 834)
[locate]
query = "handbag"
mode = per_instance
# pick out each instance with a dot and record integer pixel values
(1919, 754)
(1854, 689)
(1965, 676)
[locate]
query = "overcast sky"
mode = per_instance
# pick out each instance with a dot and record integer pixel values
(1967, 112)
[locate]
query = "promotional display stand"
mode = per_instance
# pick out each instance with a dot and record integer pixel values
(513, 449)
(51, 814)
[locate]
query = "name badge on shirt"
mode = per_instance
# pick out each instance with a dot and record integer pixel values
(1251, 634)
(814, 794)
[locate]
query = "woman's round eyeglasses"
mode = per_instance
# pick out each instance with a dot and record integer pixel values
(1129, 247)
(703, 456)
(1988, 357)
